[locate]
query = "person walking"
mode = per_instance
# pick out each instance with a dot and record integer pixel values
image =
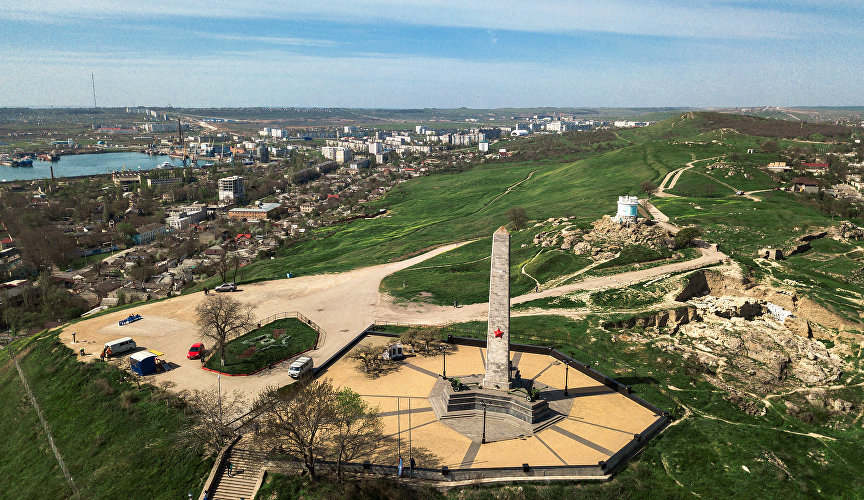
(206, 291)
(230, 468)
(455, 303)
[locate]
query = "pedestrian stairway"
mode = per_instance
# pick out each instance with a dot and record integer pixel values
(243, 482)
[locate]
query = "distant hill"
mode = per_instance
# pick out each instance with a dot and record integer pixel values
(697, 122)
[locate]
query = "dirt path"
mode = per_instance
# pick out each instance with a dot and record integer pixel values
(749, 194)
(672, 177)
(523, 271)
(507, 191)
(419, 313)
(46, 428)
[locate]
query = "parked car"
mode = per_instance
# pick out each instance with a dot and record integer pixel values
(300, 366)
(226, 287)
(196, 351)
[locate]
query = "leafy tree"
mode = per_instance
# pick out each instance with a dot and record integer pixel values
(369, 356)
(126, 231)
(221, 318)
(357, 429)
(518, 217)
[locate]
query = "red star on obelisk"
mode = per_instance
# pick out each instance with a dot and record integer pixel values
(498, 333)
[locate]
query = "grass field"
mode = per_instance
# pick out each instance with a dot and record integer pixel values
(118, 441)
(440, 209)
(261, 347)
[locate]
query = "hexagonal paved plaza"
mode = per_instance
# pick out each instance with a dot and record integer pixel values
(596, 423)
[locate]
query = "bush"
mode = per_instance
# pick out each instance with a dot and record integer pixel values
(685, 237)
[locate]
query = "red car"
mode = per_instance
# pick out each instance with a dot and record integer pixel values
(195, 351)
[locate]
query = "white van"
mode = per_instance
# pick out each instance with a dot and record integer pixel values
(119, 346)
(300, 366)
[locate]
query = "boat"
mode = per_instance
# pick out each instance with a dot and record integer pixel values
(165, 164)
(49, 157)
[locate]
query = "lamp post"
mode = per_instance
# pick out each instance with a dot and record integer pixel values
(444, 369)
(483, 438)
(566, 367)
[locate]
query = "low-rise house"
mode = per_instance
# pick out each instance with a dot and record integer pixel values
(805, 185)
(215, 251)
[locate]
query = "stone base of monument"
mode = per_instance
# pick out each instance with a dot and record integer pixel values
(509, 414)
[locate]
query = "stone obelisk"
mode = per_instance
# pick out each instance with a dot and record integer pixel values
(498, 332)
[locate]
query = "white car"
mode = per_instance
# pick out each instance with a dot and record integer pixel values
(226, 287)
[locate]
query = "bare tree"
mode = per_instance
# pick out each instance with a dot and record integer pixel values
(358, 430)
(518, 216)
(235, 265)
(649, 187)
(221, 318)
(223, 265)
(299, 419)
(213, 415)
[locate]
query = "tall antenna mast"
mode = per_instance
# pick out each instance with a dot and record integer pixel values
(93, 82)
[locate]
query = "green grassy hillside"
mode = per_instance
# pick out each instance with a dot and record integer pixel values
(118, 441)
(440, 209)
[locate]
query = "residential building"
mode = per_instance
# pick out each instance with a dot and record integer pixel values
(163, 182)
(360, 163)
(148, 233)
(182, 217)
(261, 212)
(231, 189)
(343, 156)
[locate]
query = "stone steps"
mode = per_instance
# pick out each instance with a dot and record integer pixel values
(242, 484)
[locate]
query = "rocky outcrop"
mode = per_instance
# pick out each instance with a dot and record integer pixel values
(759, 355)
(605, 238)
(672, 318)
(712, 283)
(846, 231)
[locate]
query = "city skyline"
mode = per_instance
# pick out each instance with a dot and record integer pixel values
(438, 54)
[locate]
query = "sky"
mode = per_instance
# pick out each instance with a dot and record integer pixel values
(432, 53)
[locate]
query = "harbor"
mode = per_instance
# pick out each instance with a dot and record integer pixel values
(85, 164)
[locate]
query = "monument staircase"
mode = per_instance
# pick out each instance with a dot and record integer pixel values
(248, 465)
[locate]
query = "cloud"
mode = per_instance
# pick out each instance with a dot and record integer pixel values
(400, 81)
(646, 17)
(274, 40)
